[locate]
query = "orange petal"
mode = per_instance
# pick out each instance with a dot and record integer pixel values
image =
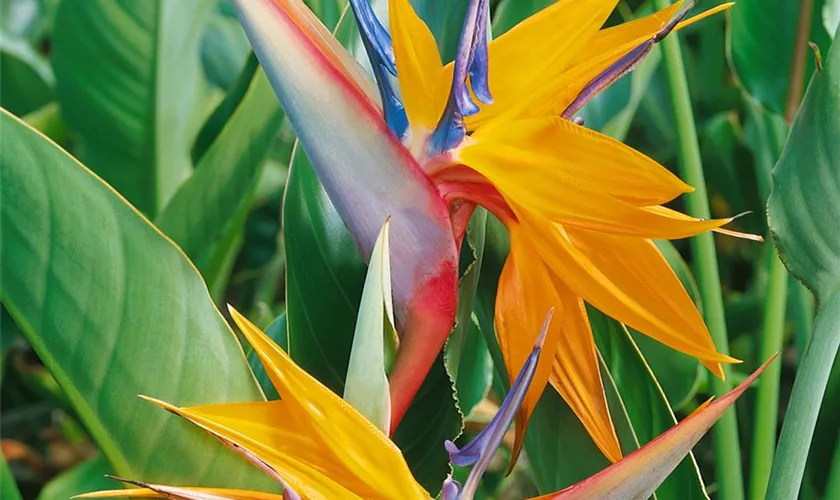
(553, 148)
(577, 376)
(627, 279)
(342, 431)
(535, 50)
(603, 49)
(525, 295)
(523, 179)
(418, 65)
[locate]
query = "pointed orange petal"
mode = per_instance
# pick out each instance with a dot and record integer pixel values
(344, 432)
(554, 148)
(534, 51)
(637, 265)
(576, 373)
(418, 65)
(271, 433)
(630, 296)
(603, 49)
(523, 179)
(525, 296)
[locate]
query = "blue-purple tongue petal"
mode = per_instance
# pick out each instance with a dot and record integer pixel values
(471, 59)
(380, 50)
(375, 36)
(482, 448)
(625, 64)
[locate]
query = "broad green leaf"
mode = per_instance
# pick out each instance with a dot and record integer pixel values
(85, 477)
(761, 46)
(803, 213)
(130, 82)
(114, 310)
(324, 278)
(644, 401)
(803, 205)
(25, 75)
(509, 13)
(206, 206)
(8, 486)
(374, 341)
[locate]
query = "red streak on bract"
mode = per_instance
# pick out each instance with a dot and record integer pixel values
(430, 318)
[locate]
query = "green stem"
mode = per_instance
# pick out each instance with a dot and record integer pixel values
(727, 447)
(804, 405)
(767, 399)
(803, 316)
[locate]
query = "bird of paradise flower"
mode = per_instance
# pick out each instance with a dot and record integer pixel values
(318, 447)
(494, 128)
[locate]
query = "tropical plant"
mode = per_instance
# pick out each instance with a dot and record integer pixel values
(465, 240)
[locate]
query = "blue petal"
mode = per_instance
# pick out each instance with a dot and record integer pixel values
(471, 59)
(625, 64)
(377, 39)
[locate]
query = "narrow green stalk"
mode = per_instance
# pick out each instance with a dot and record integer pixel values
(727, 447)
(802, 313)
(767, 400)
(804, 405)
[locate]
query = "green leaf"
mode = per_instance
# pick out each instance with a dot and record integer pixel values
(803, 214)
(130, 82)
(803, 205)
(639, 475)
(678, 374)
(465, 345)
(445, 18)
(25, 75)
(374, 341)
(86, 477)
(761, 46)
(114, 310)
(475, 370)
(324, 278)
(8, 486)
(205, 207)
(276, 331)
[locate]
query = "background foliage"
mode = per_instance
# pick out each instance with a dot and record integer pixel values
(163, 101)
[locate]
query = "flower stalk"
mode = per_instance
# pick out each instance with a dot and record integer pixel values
(727, 448)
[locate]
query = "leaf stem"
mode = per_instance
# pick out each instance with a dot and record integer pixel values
(804, 405)
(727, 447)
(800, 52)
(767, 399)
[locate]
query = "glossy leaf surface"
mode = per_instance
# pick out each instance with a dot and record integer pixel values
(114, 310)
